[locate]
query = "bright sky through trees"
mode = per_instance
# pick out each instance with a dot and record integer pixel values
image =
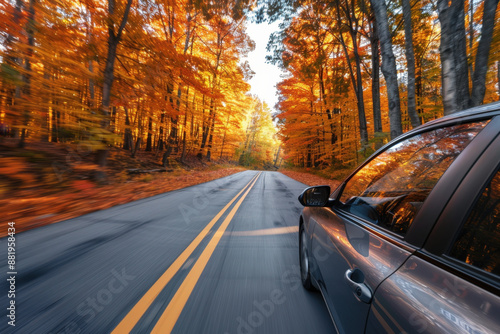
(266, 75)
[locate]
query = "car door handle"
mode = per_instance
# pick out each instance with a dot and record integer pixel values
(355, 280)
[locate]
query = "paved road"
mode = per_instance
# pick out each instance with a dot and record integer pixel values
(184, 261)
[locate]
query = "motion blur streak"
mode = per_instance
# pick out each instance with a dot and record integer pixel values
(267, 231)
(128, 323)
(169, 317)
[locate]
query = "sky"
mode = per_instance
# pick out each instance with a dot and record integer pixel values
(266, 75)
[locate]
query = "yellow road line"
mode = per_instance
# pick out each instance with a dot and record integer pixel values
(377, 302)
(169, 317)
(382, 321)
(131, 319)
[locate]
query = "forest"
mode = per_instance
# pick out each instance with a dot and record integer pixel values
(363, 72)
(170, 77)
(159, 76)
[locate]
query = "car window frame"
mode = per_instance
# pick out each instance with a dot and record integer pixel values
(458, 208)
(422, 224)
(473, 207)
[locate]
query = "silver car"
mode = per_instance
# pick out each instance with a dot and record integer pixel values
(410, 241)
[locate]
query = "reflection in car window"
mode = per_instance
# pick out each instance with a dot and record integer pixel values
(392, 187)
(478, 243)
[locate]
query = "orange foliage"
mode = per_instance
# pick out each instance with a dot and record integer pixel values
(176, 82)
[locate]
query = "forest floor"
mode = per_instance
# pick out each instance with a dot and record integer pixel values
(45, 183)
(311, 179)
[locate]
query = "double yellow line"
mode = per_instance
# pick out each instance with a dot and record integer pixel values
(169, 317)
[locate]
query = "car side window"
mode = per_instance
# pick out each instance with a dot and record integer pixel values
(478, 242)
(391, 188)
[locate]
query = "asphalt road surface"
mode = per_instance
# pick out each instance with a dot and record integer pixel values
(220, 257)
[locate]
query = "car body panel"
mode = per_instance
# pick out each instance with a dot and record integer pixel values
(423, 298)
(353, 247)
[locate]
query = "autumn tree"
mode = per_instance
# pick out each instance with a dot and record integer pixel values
(388, 66)
(348, 19)
(372, 34)
(260, 141)
(410, 61)
(156, 75)
(116, 22)
(168, 78)
(454, 58)
(405, 33)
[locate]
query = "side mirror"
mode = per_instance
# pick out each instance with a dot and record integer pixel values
(315, 196)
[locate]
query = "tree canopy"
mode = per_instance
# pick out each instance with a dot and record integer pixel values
(170, 76)
(165, 76)
(335, 109)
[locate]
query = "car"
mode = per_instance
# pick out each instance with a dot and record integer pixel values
(410, 241)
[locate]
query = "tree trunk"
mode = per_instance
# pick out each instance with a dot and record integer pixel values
(211, 136)
(30, 31)
(172, 140)
(166, 155)
(388, 67)
(149, 140)
(471, 32)
(211, 118)
(419, 89)
(91, 102)
(410, 60)
(449, 88)
(189, 31)
(16, 61)
(127, 139)
(108, 77)
(172, 137)
(483, 52)
(356, 80)
(374, 41)
(204, 129)
(108, 80)
(363, 129)
(498, 78)
(212, 100)
(55, 124)
(460, 54)
(184, 135)
(161, 136)
(46, 108)
(277, 157)
(224, 137)
(136, 147)
(329, 115)
(184, 131)
(308, 161)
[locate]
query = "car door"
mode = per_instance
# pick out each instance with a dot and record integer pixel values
(361, 240)
(452, 285)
